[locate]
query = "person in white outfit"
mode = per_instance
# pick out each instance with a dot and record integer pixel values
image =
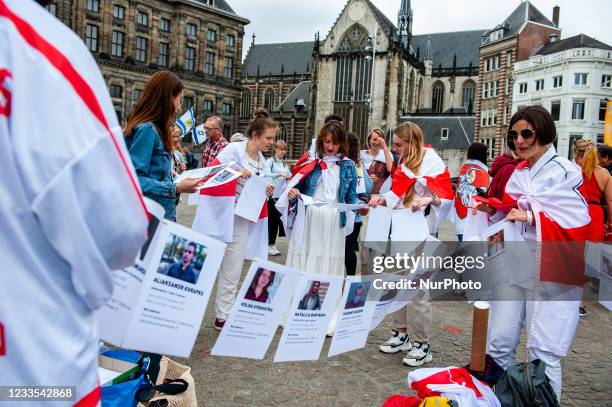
(544, 197)
(70, 204)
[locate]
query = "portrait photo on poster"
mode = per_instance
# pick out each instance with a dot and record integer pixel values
(263, 286)
(358, 292)
(314, 295)
(495, 243)
(182, 259)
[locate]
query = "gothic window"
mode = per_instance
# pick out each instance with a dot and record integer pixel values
(269, 99)
(468, 92)
(282, 133)
(246, 104)
(437, 97)
(354, 40)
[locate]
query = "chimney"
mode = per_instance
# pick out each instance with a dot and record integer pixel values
(556, 11)
(553, 37)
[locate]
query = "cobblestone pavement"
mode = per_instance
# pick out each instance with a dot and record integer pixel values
(367, 377)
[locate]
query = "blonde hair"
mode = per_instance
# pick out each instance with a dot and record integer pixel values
(413, 135)
(376, 131)
(587, 150)
(279, 144)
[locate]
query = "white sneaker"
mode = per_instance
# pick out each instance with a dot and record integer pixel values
(418, 355)
(398, 342)
(273, 251)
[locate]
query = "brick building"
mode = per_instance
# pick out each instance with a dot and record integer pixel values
(523, 32)
(200, 40)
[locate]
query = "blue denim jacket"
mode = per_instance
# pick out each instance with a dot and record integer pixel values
(347, 193)
(365, 197)
(153, 166)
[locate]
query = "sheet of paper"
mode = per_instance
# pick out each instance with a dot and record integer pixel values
(193, 199)
(310, 313)
(308, 200)
(252, 198)
(379, 224)
(474, 225)
(202, 172)
(354, 322)
(351, 207)
(257, 311)
(106, 375)
(409, 226)
(222, 177)
(175, 291)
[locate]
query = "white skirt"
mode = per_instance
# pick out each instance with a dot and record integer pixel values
(321, 250)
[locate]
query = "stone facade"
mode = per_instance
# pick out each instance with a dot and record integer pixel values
(201, 41)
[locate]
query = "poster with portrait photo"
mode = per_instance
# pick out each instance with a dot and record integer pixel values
(263, 298)
(314, 302)
(166, 312)
(222, 177)
(354, 322)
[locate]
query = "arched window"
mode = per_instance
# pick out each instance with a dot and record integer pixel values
(269, 99)
(282, 133)
(246, 104)
(410, 92)
(468, 91)
(437, 97)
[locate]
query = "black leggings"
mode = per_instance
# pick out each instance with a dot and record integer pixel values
(351, 247)
(275, 226)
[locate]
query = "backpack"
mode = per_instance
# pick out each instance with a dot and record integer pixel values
(526, 385)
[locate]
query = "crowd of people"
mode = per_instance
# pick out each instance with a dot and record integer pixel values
(56, 209)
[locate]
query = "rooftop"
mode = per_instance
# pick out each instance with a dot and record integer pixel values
(274, 59)
(578, 41)
(464, 44)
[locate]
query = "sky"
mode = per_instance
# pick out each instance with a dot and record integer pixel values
(299, 20)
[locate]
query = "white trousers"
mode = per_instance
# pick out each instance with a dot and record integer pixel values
(551, 329)
(231, 268)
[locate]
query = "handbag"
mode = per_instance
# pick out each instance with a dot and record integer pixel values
(526, 385)
(174, 387)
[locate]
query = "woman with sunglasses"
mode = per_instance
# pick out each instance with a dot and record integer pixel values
(542, 194)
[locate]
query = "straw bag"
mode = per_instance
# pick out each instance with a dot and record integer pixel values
(172, 374)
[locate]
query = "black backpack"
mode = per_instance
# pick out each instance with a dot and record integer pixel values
(526, 385)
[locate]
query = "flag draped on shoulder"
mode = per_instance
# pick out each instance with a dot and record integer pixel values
(215, 212)
(186, 121)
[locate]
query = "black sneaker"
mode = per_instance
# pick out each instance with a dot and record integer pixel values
(398, 342)
(582, 311)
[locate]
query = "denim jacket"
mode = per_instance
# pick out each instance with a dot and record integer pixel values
(347, 193)
(153, 165)
(365, 197)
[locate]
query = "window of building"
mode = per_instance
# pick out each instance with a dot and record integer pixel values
(188, 103)
(118, 12)
(507, 86)
(269, 98)
(210, 63)
(93, 5)
(209, 106)
(229, 40)
(117, 44)
(490, 143)
(191, 29)
(467, 95)
(136, 94)
(496, 35)
(142, 19)
(229, 67)
(226, 109)
(52, 8)
(578, 109)
(555, 110)
(603, 106)
(164, 25)
(211, 35)
(539, 84)
(509, 59)
(495, 91)
(91, 37)
(246, 104)
(437, 97)
(119, 116)
(600, 138)
(572, 139)
(485, 90)
(580, 79)
(163, 54)
(189, 58)
(523, 87)
(557, 81)
(116, 91)
(444, 134)
(141, 49)
(606, 81)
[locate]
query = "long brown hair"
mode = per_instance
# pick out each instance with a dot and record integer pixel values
(353, 148)
(260, 121)
(413, 135)
(338, 133)
(155, 106)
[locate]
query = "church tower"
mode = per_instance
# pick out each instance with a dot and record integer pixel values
(404, 23)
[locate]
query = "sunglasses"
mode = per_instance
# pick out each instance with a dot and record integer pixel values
(526, 134)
